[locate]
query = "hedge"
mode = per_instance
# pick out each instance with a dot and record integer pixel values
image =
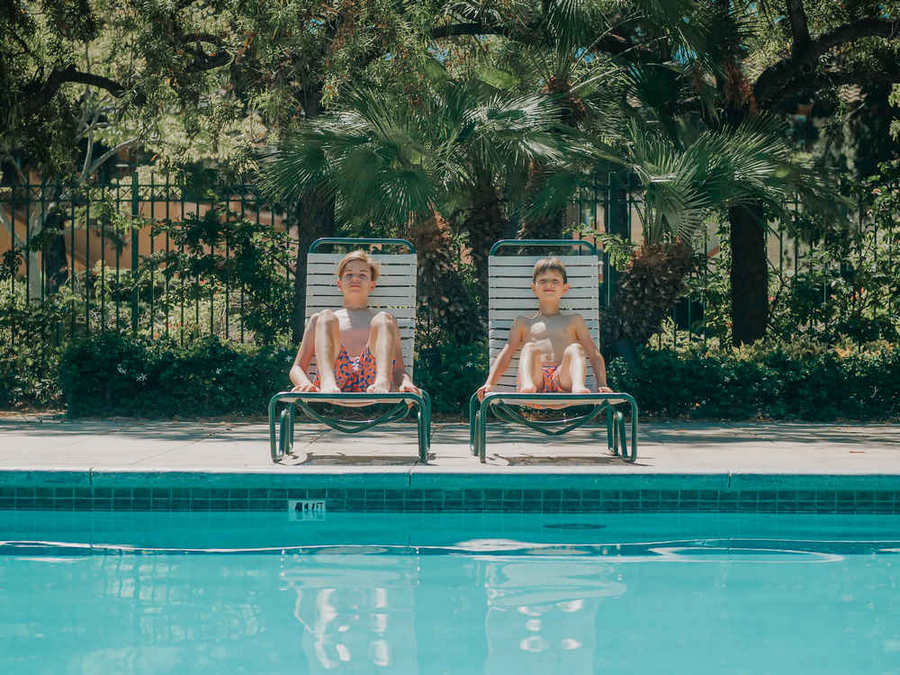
(780, 382)
(112, 375)
(108, 374)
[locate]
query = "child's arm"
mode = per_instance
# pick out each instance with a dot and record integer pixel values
(305, 353)
(513, 343)
(583, 335)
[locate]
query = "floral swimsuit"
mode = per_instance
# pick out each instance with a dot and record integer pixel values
(353, 374)
(549, 383)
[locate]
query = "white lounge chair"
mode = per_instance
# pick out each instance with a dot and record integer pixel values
(510, 296)
(395, 292)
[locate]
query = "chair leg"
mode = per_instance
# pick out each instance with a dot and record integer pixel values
(481, 434)
(619, 434)
(286, 432)
(423, 418)
(473, 414)
(611, 443)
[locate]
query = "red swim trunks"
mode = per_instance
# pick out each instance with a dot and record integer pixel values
(549, 383)
(353, 373)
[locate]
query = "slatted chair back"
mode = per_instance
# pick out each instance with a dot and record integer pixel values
(510, 296)
(395, 292)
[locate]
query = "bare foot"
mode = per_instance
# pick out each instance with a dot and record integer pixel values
(528, 388)
(329, 387)
(580, 390)
(378, 387)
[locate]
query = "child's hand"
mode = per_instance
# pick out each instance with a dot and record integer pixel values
(484, 389)
(407, 386)
(305, 387)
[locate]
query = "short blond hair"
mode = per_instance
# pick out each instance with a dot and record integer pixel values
(551, 264)
(359, 254)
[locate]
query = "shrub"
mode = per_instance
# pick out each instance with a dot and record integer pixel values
(110, 374)
(451, 374)
(782, 381)
(30, 334)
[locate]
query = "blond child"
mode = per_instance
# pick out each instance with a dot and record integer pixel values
(356, 349)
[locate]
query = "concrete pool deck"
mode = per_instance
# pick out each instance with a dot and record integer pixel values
(50, 450)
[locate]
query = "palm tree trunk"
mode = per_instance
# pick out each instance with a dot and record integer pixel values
(444, 302)
(548, 226)
(749, 273)
(646, 293)
(485, 225)
(315, 218)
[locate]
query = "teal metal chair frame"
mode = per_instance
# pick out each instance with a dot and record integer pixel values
(284, 404)
(506, 405)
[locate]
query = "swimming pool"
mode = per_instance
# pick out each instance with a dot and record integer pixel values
(448, 593)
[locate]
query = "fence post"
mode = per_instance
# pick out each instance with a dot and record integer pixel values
(135, 210)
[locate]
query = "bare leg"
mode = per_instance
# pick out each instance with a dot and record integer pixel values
(384, 336)
(573, 369)
(328, 339)
(530, 375)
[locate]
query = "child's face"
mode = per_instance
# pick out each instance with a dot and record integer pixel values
(549, 285)
(356, 279)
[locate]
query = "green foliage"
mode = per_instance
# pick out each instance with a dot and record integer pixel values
(219, 251)
(110, 374)
(30, 337)
(451, 374)
(781, 381)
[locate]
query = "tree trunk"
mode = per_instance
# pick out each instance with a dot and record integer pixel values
(315, 218)
(550, 225)
(647, 291)
(547, 227)
(56, 264)
(485, 225)
(445, 306)
(749, 273)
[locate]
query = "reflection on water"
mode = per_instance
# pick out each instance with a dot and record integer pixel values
(355, 614)
(543, 616)
(482, 606)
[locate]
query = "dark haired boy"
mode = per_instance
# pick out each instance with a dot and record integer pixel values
(555, 345)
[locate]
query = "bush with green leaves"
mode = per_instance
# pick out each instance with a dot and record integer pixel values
(781, 381)
(112, 374)
(451, 373)
(108, 374)
(30, 337)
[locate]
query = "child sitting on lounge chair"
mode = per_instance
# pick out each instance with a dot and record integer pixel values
(555, 345)
(356, 349)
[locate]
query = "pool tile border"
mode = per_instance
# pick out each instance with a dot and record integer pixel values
(64, 491)
(578, 500)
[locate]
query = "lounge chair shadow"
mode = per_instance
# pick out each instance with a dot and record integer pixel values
(352, 460)
(557, 460)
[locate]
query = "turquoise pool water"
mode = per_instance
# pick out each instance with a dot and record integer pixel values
(448, 593)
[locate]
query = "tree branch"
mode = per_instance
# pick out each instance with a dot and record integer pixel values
(109, 153)
(799, 27)
(775, 80)
(611, 43)
(60, 76)
(455, 29)
(805, 88)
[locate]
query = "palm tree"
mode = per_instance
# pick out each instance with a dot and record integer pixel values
(682, 185)
(412, 164)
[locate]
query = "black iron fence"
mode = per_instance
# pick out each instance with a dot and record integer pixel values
(827, 280)
(146, 256)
